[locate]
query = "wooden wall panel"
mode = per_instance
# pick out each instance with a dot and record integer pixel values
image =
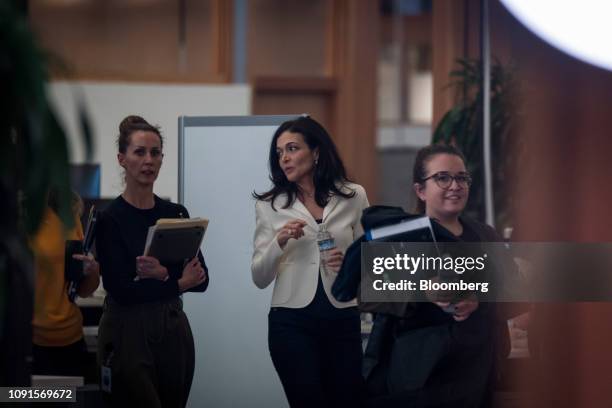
(455, 34)
(287, 37)
(317, 105)
(137, 40)
(355, 64)
(415, 29)
(564, 196)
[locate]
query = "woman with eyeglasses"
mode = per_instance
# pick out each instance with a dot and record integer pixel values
(459, 340)
(440, 354)
(442, 186)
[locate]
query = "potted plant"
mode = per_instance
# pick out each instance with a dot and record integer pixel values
(33, 158)
(462, 126)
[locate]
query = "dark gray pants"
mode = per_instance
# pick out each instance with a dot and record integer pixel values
(149, 349)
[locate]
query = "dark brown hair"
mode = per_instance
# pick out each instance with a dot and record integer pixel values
(132, 124)
(76, 202)
(329, 173)
(419, 172)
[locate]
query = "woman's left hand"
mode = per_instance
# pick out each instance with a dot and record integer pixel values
(90, 265)
(334, 260)
(148, 267)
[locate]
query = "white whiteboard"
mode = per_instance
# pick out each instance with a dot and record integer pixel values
(221, 161)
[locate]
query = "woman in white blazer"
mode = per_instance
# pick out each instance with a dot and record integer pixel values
(314, 340)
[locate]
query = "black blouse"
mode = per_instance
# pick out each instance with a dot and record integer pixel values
(120, 238)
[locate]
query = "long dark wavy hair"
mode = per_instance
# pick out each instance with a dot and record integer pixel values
(329, 174)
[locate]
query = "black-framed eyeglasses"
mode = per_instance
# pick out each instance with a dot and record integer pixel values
(444, 179)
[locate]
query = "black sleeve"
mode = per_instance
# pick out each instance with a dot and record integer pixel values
(204, 285)
(118, 269)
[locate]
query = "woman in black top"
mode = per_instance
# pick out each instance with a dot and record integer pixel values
(145, 345)
(457, 343)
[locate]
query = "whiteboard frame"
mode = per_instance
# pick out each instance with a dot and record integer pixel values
(207, 121)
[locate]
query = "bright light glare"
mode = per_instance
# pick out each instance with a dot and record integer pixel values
(581, 28)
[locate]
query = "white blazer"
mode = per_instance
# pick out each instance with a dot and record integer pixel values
(295, 269)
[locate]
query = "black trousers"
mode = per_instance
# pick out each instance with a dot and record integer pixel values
(318, 360)
(149, 348)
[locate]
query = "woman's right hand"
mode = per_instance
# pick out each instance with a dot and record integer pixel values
(193, 275)
(462, 309)
(148, 267)
(292, 229)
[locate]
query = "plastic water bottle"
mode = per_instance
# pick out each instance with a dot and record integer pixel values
(326, 243)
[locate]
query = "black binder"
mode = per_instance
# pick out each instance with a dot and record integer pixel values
(174, 241)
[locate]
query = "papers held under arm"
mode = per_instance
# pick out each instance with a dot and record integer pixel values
(413, 230)
(173, 240)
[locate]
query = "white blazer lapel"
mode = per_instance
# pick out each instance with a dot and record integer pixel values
(299, 207)
(304, 214)
(331, 204)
